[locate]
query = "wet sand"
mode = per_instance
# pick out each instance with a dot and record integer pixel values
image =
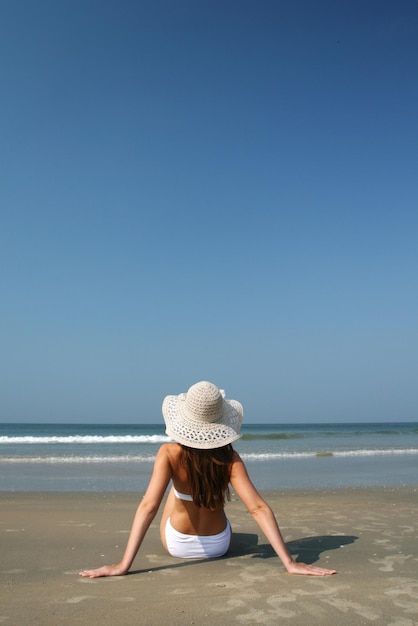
(369, 535)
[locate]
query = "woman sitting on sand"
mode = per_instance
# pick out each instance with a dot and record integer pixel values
(201, 465)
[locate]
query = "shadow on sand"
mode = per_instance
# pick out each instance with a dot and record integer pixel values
(307, 549)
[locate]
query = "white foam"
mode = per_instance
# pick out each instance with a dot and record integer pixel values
(76, 459)
(85, 439)
(268, 456)
(391, 452)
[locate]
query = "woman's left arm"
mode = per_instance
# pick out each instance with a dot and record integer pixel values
(145, 514)
(264, 516)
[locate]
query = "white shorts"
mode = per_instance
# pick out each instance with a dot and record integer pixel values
(194, 546)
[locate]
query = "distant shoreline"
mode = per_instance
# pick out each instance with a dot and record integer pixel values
(322, 471)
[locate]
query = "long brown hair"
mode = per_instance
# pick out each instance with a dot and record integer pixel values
(208, 472)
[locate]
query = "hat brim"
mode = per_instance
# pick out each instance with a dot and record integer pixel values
(202, 435)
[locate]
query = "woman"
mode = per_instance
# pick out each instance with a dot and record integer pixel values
(201, 465)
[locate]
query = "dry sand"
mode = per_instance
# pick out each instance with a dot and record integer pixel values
(368, 535)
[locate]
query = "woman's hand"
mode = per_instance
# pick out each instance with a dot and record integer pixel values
(308, 570)
(106, 570)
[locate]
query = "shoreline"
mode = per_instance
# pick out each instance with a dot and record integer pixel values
(369, 534)
(325, 472)
(285, 491)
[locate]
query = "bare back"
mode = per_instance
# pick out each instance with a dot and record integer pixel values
(184, 515)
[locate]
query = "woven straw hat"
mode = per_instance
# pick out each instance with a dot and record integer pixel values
(202, 417)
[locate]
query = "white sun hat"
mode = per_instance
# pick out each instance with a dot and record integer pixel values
(202, 417)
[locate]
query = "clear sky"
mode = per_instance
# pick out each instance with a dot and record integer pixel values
(222, 190)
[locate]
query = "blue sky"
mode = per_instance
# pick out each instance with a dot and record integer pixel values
(223, 191)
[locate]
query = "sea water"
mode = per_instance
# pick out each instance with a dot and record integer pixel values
(117, 457)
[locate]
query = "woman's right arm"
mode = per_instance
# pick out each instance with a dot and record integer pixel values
(264, 516)
(145, 513)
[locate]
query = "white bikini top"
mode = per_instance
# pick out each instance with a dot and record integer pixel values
(182, 496)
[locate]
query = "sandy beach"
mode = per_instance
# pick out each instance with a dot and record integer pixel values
(369, 535)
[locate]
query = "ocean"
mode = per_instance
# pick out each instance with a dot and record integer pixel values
(116, 457)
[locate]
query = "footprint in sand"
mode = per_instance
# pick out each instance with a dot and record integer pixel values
(78, 599)
(387, 564)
